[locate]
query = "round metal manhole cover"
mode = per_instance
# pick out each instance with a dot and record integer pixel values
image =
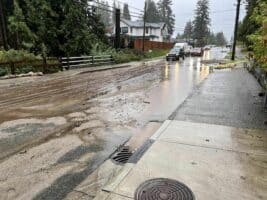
(163, 189)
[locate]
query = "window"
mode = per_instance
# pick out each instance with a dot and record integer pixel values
(131, 29)
(124, 30)
(147, 30)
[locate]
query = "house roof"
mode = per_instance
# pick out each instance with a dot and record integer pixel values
(140, 24)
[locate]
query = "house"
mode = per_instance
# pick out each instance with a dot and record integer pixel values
(157, 32)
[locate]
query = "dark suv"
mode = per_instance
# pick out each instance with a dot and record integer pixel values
(175, 54)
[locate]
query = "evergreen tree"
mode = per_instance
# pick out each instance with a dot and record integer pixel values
(247, 27)
(201, 23)
(114, 12)
(77, 35)
(3, 25)
(220, 39)
(18, 27)
(126, 12)
(53, 28)
(104, 14)
(152, 13)
(166, 14)
(179, 36)
(41, 20)
(212, 39)
(258, 38)
(188, 30)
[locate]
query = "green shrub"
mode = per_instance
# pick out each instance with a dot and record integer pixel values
(128, 55)
(156, 53)
(3, 71)
(17, 56)
(25, 62)
(125, 56)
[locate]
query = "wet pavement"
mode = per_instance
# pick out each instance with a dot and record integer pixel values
(58, 129)
(229, 98)
(215, 162)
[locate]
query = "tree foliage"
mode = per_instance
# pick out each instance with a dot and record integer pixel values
(188, 30)
(212, 38)
(18, 27)
(104, 14)
(259, 38)
(247, 27)
(220, 39)
(201, 23)
(166, 14)
(152, 15)
(56, 28)
(114, 12)
(126, 12)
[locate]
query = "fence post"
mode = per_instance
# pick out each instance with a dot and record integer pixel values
(12, 68)
(44, 64)
(93, 60)
(68, 62)
(265, 99)
(60, 61)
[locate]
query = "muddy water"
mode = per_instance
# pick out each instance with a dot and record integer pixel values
(100, 111)
(177, 82)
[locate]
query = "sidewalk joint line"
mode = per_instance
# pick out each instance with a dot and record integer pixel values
(122, 195)
(207, 147)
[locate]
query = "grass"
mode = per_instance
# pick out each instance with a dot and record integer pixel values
(229, 65)
(28, 61)
(129, 55)
(156, 53)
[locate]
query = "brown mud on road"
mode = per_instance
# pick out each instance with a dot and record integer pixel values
(57, 129)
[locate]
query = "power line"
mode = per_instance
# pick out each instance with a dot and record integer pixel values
(111, 11)
(107, 5)
(130, 6)
(213, 12)
(135, 14)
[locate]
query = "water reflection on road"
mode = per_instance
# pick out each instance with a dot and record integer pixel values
(178, 81)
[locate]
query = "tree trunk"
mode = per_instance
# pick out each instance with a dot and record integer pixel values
(3, 28)
(17, 41)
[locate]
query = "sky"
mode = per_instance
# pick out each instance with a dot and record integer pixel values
(222, 13)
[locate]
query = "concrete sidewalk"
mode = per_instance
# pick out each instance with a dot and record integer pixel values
(215, 162)
(216, 144)
(227, 97)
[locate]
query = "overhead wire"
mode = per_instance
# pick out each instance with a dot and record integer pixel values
(111, 11)
(135, 14)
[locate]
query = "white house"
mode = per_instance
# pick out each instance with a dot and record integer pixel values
(154, 31)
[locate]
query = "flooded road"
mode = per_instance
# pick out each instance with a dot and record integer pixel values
(57, 129)
(178, 81)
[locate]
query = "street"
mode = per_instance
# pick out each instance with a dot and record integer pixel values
(57, 124)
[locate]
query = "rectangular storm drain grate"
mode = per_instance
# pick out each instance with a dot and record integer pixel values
(122, 155)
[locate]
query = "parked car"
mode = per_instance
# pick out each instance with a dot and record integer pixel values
(229, 46)
(185, 47)
(207, 48)
(175, 54)
(197, 52)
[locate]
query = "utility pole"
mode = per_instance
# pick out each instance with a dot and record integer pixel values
(3, 30)
(117, 28)
(236, 28)
(144, 27)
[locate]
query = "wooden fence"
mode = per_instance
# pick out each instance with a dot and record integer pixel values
(43, 64)
(55, 64)
(151, 45)
(85, 61)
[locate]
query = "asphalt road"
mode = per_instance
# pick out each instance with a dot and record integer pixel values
(56, 130)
